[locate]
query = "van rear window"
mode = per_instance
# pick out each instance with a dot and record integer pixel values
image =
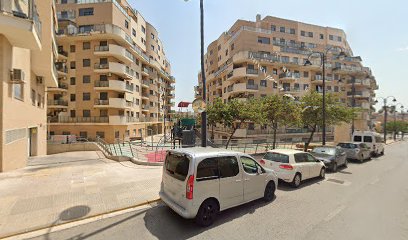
(357, 139)
(368, 139)
(276, 157)
(177, 166)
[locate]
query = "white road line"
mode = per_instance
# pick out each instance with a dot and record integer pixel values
(334, 213)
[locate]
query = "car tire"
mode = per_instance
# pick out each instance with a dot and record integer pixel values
(269, 193)
(297, 180)
(382, 153)
(334, 168)
(345, 163)
(322, 173)
(207, 213)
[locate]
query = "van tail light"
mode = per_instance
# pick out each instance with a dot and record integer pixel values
(286, 166)
(190, 187)
(262, 162)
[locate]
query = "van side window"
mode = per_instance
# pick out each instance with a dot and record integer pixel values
(228, 167)
(249, 165)
(368, 139)
(357, 139)
(207, 169)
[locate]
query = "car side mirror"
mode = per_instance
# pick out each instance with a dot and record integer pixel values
(259, 171)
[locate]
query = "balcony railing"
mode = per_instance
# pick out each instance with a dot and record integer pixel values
(101, 102)
(79, 119)
(101, 48)
(101, 65)
(252, 86)
(252, 71)
(25, 9)
(289, 75)
(59, 102)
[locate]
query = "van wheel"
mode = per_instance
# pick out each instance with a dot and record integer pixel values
(345, 163)
(207, 213)
(297, 180)
(269, 193)
(334, 168)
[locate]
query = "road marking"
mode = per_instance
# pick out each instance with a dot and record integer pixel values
(334, 213)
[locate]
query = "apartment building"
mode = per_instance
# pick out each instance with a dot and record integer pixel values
(256, 59)
(27, 52)
(114, 78)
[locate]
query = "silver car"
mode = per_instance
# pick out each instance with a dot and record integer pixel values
(356, 151)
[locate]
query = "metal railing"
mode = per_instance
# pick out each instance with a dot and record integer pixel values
(57, 102)
(79, 119)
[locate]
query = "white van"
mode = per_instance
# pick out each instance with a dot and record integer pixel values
(372, 139)
(200, 182)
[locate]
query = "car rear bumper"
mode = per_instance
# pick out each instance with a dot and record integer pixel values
(286, 176)
(185, 213)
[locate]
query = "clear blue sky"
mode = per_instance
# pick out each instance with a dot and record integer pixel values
(377, 31)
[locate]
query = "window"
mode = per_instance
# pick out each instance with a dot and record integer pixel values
(249, 165)
(133, 32)
(86, 79)
(357, 139)
(86, 45)
(275, 71)
(72, 65)
(176, 165)
(276, 157)
(339, 39)
(126, 24)
(263, 83)
(300, 157)
(83, 134)
(336, 89)
(282, 29)
(331, 37)
(310, 158)
(232, 46)
(264, 40)
(33, 97)
(103, 113)
(310, 34)
(303, 33)
(86, 62)
(86, 113)
(207, 170)
(228, 167)
(72, 113)
(72, 48)
(100, 134)
(85, 28)
(305, 74)
(321, 36)
(305, 87)
(143, 29)
(72, 80)
(72, 97)
(368, 139)
(86, 96)
(86, 11)
(273, 28)
(152, 47)
(292, 31)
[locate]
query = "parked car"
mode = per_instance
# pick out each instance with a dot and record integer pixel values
(332, 157)
(200, 182)
(293, 166)
(373, 140)
(356, 151)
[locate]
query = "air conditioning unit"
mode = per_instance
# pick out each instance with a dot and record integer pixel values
(40, 80)
(17, 76)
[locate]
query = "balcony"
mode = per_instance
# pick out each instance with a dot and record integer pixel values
(289, 76)
(66, 16)
(243, 87)
(252, 72)
(238, 73)
(20, 23)
(145, 84)
(62, 69)
(359, 82)
(113, 50)
(62, 87)
(57, 103)
(113, 85)
(63, 119)
(347, 69)
(291, 90)
(62, 55)
(119, 103)
(359, 94)
(145, 72)
(113, 67)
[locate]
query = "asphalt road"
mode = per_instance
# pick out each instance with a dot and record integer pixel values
(364, 201)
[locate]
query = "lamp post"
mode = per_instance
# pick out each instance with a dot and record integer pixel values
(385, 114)
(204, 92)
(323, 63)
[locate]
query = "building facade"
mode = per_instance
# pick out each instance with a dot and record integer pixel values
(27, 53)
(114, 78)
(256, 59)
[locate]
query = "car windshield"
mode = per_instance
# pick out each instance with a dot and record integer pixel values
(325, 150)
(177, 166)
(276, 157)
(347, 145)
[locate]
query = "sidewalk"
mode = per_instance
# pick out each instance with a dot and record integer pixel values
(70, 186)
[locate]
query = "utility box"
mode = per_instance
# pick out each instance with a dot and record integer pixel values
(188, 138)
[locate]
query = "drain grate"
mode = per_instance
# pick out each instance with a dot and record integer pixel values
(335, 181)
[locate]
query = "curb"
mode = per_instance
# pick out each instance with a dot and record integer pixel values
(144, 163)
(17, 234)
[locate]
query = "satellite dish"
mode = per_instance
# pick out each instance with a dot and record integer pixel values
(199, 105)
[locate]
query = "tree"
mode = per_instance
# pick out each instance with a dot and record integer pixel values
(215, 113)
(312, 116)
(397, 126)
(278, 110)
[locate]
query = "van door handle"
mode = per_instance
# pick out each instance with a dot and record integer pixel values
(238, 180)
(246, 179)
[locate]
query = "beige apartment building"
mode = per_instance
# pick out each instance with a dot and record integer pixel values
(256, 59)
(114, 78)
(27, 52)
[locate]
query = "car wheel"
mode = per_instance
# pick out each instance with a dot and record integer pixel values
(345, 163)
(297, 180)
(322, 173)
(207, 213)
(269, 193)
(382, 152)
(334, 168)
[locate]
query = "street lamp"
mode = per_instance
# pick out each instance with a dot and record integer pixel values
(385, 114)
(323, 63)
(204, 92)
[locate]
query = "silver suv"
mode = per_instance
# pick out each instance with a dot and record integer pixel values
(200, 182)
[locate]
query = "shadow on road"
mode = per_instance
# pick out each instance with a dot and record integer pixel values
(284, 186)
(164, 223)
